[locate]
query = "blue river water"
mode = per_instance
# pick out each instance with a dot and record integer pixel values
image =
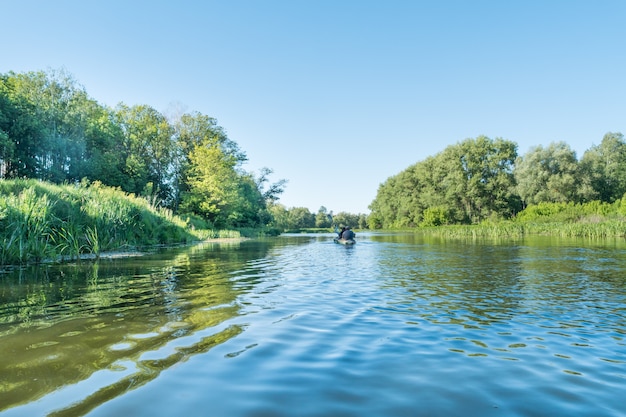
(396, 325)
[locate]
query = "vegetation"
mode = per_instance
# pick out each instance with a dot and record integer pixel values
(593, 220)
(300, 218)
(76, 176)
(484, 183)
(156, 170)
(40, 220)
(51, 130)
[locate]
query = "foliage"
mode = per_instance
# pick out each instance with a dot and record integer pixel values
(483, 180)
(604, 168)
(346, 219)
(323, 218)
(466, 183)
(595, 219)
(41, 220)
(548, 175)
(300, 218)
(569, 212)
(434, 216)
(51, 130)
(148, 148)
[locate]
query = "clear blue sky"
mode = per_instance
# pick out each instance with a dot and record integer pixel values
(337, 96)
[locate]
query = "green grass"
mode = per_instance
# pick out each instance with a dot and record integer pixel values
(593, 220)
(608, 229)
(40, 220)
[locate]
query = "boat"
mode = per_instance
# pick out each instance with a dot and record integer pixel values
(342, 241)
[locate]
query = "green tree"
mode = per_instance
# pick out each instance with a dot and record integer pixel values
(7, 146)
(213, 184)
(210, 179)
(104, 147)
(279, 216)
(55, 99)
(192, 130)
(467, 182)
(272, 193)
(25, 150)
(323, 218)
(604, 168)
(363, 221)
(346, 219)
(300, 218)
(486, 175)
(148, 148)
(548, 175)
(52, 128)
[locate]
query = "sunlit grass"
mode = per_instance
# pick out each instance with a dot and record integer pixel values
(40, 220)
(606, 228)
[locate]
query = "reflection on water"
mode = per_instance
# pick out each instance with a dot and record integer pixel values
(114, 324)
(398, 324)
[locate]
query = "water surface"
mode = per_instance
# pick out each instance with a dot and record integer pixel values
(398, 325)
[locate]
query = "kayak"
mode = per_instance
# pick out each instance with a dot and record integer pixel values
(344, 241)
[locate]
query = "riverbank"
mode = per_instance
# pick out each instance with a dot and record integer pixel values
(41, 221)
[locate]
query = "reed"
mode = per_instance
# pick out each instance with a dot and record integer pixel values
(607, 228)
(68, 241)
(92, 240)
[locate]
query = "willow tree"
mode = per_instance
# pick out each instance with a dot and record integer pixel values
(604, 168)
(465, 183)
(548, 174)
(484, 178)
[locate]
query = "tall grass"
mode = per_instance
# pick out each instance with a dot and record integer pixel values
(594, 220)
(27, 233)
(39, 220)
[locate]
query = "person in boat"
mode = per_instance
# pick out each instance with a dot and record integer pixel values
(343, 229)
(347, 234)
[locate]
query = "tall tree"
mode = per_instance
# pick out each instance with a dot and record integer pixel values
(192, 130)
(212, 182)
(55, 98)
(487, 173)
(548, 174)
(604, 167)
(300, 218)
(54, 129)
(467, 182)
(148, 150)
(323, 218)
(104, 147)
(7, 146)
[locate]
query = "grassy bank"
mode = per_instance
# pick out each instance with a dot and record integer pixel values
(39, 221)
(605, 229)
(594, 220)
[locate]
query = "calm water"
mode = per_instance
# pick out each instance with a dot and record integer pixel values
(299, 326)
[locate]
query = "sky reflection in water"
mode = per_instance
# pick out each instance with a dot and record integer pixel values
(396, 325)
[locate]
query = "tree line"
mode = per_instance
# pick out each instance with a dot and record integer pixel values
(51, 130)
(482, 178)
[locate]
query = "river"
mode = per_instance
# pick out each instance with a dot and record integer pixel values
(396, 325)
